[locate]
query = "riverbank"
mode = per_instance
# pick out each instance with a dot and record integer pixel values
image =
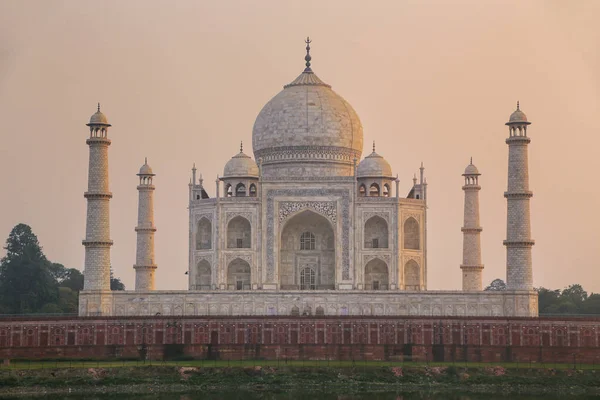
(169, 379)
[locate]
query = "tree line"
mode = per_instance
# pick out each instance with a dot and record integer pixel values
(30, 283)
(571, 300)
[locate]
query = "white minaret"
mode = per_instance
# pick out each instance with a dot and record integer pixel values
(471, 266)
(97, 234)
(519, 274)
(144, 260)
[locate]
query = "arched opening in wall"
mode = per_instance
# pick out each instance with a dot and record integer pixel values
(386, 190)
(412, 276)
(239, 233)
(228, 190)
(203, 276)
(307, 241)
(204, 234)
(376, 233)
(319, 311)
(362, 190)
(238, 275)
(253, 190)
(240, 190)
(411, 234)
(307, 279)
(374, 190)
(376, 275)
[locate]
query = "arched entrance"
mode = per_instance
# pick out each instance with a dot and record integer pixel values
(376, 275)
(307, 253)
(238, 275)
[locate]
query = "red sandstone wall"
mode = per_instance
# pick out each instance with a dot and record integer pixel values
(346, 338)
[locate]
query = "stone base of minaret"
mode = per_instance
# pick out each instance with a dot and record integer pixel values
(472, 277)
(144, 277)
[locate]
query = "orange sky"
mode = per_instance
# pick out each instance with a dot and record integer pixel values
(183, 81)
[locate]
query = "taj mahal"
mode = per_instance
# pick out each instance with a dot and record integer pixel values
(307, 226)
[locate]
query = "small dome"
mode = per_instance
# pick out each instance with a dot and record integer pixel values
(373, 166)
(518, 116)
(98, 118)
(146, 169)
(240, 166)
(471, 170)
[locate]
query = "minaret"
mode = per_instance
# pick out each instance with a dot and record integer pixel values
(519, 274)
(471, 265)
(144, 260)
(97, 234)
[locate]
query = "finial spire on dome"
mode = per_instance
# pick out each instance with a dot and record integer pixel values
(145, 160)
(373, 146)
(241, 146)
(308, 57)
(518, 105)
(471, 160)
(98, 107)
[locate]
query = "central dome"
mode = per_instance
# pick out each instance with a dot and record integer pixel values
(307, 129)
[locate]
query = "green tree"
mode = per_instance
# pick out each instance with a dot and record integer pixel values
(26, 282)
(576, 294)
(73, 280)
(496, 285)
(547, 298)
(591, 304)
(115, 283)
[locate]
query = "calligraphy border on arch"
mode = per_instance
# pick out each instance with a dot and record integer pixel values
(344, 195)
(327, 209)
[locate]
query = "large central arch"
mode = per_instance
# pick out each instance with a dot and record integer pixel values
(307, 244)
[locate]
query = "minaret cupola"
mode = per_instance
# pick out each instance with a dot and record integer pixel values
(374, 176)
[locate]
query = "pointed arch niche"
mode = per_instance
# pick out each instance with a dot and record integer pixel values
(239, 233)
(307, 250)
(376, 233)
(376, 275)
(238, 275)
(412, 234)
(204, 234)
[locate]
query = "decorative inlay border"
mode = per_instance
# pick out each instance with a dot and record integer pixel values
(407, 258)
(229, 257)
(326, 208)
(406, 216)
(208, 216)
(384, 257)
(385, 214)
(271, 235)
(233, 214)
(205, 257)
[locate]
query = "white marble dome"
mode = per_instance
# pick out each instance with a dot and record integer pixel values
(98, 118)
(471, 170)
(374, 166)
(145, 169)
(309, 126)
(518, 116)
(240, 166)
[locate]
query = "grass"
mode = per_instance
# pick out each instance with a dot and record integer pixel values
(60, 364)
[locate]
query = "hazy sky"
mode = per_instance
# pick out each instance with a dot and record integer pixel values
(183, 81)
